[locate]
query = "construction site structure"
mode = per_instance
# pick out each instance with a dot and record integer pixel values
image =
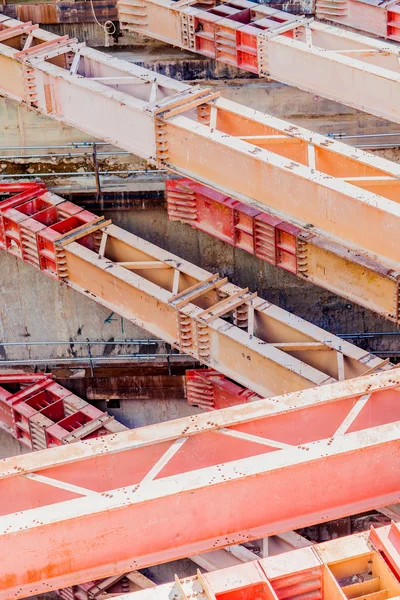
(40, 413)
(110, 486)
(160, 119)
(62, 12)
(345, 428)
(286, 246)
(278, 45)
(228, 328)
(380, 19)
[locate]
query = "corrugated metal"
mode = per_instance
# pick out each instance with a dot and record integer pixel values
(37, 13)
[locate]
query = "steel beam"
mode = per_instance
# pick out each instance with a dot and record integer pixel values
(286, 246)
(42, 414)
(37, 413)
(381, 19)
(148, 496)
(201, 314)
(352, 69)
(307, 179)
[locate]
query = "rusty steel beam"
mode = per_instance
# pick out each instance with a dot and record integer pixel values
(201, 314)
(307, 179)
(286, 246)
(351, 567)
(149, 495)
(352, 69)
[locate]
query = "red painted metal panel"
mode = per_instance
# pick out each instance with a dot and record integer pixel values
(267, 237)
(40, 413)
(210, 390)
(32, 220)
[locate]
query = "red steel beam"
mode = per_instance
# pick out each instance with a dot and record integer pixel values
(211, 390)
(286, 246)
(40, 414)
(159, 493)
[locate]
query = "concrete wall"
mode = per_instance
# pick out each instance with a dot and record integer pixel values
(34, 307)
(10, 446)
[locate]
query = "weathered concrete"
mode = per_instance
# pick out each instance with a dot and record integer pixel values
(9, 446)
(34, 307)
(138, 413)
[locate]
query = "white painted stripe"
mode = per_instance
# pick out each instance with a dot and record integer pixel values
(69, 487)
(353, 414)
(172, 450)
(254, 438)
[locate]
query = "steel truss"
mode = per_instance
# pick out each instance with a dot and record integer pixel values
(307, 179)
(228, 328)
(159, 493)
(352, 69)
(41, 414)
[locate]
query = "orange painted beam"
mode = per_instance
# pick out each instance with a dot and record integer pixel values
(202, 314)
(295, 174)
(159, 493)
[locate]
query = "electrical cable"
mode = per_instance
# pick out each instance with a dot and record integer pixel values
(107, 24)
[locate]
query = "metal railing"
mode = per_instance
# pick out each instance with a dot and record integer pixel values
(89, 358)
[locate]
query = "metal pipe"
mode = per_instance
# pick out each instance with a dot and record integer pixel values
(57, 147)
(84, 343)
(159, 341)
(102, 173)
(61, 155)
(362, 135)
(80, 144)
(139, 357)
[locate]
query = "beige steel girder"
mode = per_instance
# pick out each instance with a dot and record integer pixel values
(305, 178)
(340, 65)
(227, 328)
(200, 313)
(159, 493)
